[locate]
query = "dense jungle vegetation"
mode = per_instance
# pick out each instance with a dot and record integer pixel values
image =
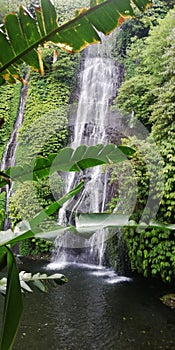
(46, 109)
(145, 46)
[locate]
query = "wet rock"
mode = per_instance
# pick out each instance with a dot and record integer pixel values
(169, 300)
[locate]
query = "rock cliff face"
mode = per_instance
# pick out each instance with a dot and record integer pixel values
(9, 155)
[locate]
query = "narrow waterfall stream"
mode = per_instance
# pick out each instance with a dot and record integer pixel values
(98, 83)
(9, 155)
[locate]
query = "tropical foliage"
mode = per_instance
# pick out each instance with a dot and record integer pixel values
(148, 91)
(19, 38)
(66, 159)
(20, 43)
(78, 33)
(9, 101)
(41, 281)
(13, 296)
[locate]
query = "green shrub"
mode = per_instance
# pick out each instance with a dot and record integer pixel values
(9, 104)
(151, 251)
(27, 201)
(2, 209)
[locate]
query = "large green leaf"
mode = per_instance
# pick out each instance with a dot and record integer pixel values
(90, 223)
(22, 34)
(13, 302)
(52, 208)
(141, 4)
(3, 259)
(98, 221)
(24, 231)
(85, 225)
(12, 287)
(67, 159)
(28, 229)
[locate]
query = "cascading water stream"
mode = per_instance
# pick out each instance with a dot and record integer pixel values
(97, 89)
(9, 158)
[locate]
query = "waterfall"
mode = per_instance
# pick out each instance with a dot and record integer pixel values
(98, 82)
(8, 158)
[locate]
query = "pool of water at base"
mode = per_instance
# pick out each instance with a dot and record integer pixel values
(95, 310)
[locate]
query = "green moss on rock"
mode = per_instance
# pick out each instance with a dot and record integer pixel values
(169, 300)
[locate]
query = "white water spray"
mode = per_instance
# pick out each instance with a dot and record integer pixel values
(97, 90)
(9, 156)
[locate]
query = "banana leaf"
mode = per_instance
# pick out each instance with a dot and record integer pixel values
(22, 35)
(67, 159)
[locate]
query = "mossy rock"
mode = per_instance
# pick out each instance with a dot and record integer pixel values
(169, 300)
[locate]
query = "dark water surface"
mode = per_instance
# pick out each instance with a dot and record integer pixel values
(94, 312)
